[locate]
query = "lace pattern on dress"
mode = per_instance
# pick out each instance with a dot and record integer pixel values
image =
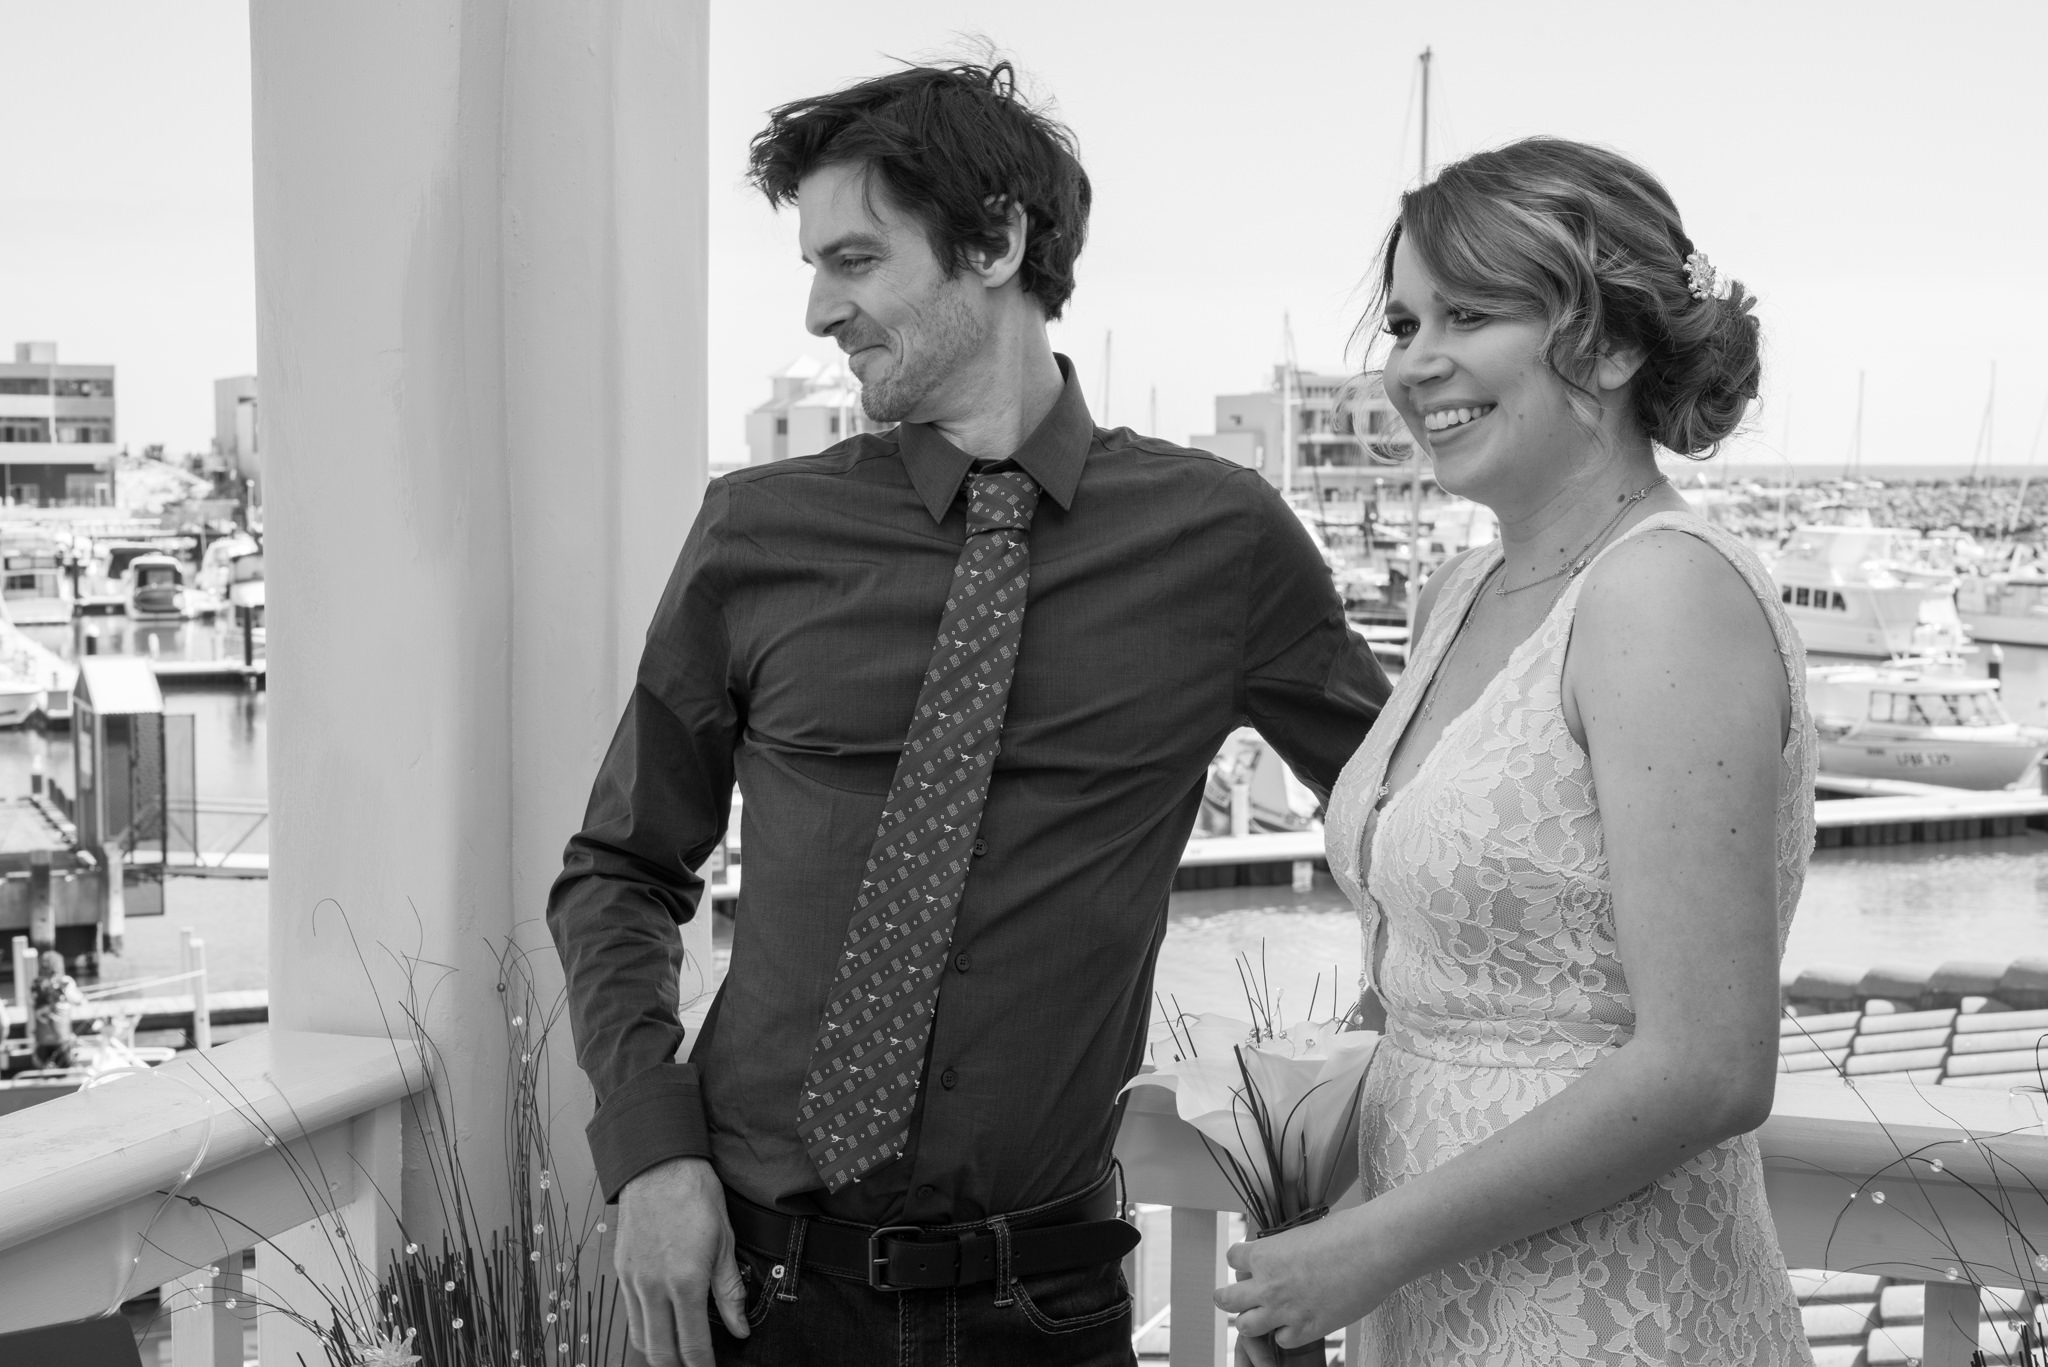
(1502, 982)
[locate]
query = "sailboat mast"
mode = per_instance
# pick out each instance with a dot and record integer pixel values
(1856, 440)
(1415, 457)
(1107, 338)
(1286, 405)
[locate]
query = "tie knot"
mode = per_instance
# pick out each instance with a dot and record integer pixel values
(1001, 498)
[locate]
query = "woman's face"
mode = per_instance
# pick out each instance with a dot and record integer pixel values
(1476, 393)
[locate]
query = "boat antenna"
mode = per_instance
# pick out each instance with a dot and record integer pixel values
(1982, 451)
(1855, 469)
(1415, 459)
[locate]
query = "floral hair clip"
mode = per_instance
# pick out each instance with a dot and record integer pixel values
(1704, 281)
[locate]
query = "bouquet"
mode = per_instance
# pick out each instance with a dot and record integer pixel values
(1276, 1106)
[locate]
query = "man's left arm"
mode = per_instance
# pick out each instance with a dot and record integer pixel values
(1311, 684)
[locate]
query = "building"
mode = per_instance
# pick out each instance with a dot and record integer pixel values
(56, 429)
(234, 426)
(1330, 452)
(812, 404)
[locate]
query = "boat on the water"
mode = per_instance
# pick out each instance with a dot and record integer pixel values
(1864, 591)
(2010, 609)
(1919, 720)
(156, 587)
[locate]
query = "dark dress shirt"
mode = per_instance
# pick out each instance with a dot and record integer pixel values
(1173, 597)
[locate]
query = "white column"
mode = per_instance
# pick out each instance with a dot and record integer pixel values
(480, 293)
(1200, 1238)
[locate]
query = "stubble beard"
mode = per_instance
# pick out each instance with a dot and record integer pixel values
(952, 336)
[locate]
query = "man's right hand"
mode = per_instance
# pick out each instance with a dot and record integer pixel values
(675, 1250)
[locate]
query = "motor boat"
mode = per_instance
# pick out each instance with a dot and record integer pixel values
(156, 587)
(1921, 721)
(1865, 591)
(2010, 609)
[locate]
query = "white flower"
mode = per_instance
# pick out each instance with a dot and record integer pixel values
(390, 1351)
(1305, 1082)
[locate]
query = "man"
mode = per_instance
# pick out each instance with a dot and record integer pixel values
(968, 673)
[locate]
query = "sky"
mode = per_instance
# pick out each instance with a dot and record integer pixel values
(1869, 168)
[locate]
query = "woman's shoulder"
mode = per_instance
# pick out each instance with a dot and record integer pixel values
(1446, 575)
(1675, 555)
(1679, 594)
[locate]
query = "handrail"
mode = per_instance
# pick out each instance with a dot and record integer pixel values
(1828, 1150)
(76, 1157)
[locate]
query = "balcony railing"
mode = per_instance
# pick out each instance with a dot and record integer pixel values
(163, 1178)
(117, 1189)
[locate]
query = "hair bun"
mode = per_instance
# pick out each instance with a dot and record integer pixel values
(1696, 385)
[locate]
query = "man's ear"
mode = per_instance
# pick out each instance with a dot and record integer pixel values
(1616, 367)
(1000, 269)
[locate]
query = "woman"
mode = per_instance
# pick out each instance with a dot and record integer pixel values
(1578, 831)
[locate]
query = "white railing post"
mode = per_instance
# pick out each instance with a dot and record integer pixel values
(1240, 808)
(202, 1015)
(1949, 1324)
(24, 974)
(207, 1315)
(1199, 1240)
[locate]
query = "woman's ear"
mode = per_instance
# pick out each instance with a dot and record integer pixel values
(1616, 367)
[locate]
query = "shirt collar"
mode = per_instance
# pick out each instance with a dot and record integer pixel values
(1053, 454)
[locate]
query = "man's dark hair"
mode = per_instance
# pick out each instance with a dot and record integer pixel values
(954, 147)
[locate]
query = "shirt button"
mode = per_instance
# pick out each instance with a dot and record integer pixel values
(963, 961)
(924, 1193)
(980, 848)
(948, 1078)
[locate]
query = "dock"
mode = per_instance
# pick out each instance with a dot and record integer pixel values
(210, 671)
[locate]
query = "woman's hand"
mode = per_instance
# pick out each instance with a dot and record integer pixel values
(1300, 1285)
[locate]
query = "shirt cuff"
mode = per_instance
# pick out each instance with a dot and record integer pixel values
(655, 1116)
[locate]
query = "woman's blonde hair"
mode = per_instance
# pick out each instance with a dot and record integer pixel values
(1591, 243)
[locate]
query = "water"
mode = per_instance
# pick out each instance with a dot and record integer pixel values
(1903, 905)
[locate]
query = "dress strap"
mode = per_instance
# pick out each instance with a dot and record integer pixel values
(1744, 559)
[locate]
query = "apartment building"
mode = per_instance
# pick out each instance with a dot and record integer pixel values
(812, 405)
(56, 429)
(1344, 431)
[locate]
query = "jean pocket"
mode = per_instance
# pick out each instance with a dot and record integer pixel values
(1075, 1298)
(763, 1277)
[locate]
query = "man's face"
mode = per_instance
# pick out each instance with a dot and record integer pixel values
(907, 329)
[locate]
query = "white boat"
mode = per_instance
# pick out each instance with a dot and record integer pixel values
(1864, 591)
(156, 587)
(2011, 609)
(1920, 721)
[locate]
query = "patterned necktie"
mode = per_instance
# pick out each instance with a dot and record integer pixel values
(866, 1065)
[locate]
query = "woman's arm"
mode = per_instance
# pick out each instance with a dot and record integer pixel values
(1677, 689)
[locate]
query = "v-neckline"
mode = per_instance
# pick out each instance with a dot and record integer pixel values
(1383, 795)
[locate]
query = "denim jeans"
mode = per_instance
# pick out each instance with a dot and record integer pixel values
(1077, 1317)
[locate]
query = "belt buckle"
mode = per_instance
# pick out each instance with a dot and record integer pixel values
(878, 1261)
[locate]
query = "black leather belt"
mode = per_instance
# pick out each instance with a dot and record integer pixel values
(1074, 1233)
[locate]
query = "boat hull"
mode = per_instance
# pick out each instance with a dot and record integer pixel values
(1977, 764)
(2006, 628)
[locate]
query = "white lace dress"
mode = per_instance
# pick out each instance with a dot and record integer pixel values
(1501, 981)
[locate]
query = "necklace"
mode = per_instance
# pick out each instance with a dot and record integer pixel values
(1579, 562)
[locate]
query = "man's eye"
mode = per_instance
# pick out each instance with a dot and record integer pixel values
(855, 264)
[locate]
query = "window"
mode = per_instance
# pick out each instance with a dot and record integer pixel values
(782, 427)
(833, 426)
(24, 429)
(1786, 594)
(86, 389)
(1840, 605)
(21, 583)
(1799, 598)
(72, 433)
(24, 384)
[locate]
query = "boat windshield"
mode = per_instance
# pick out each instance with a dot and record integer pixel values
(1936, 709)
